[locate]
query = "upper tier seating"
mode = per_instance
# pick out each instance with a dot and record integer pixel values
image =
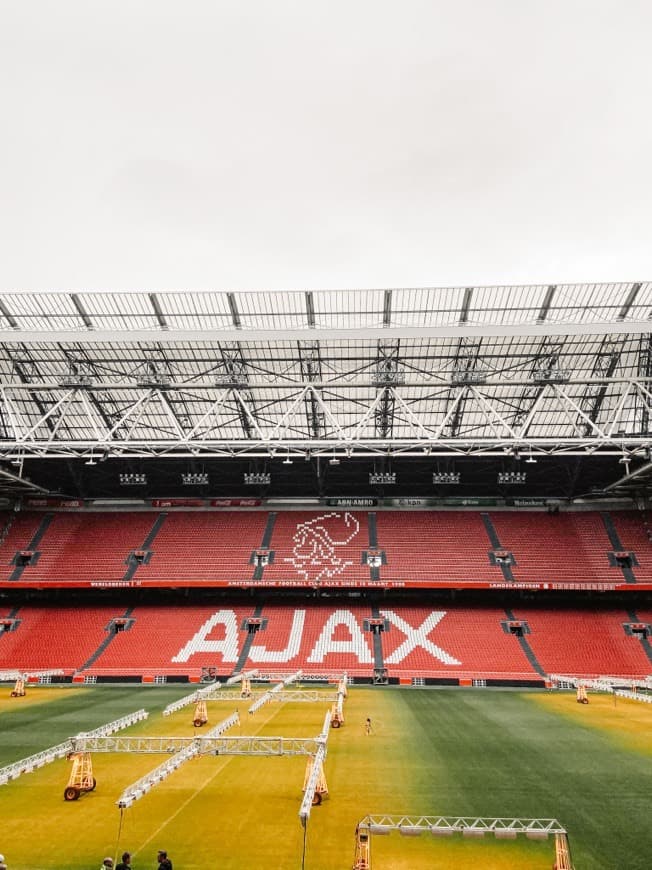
(557, 548)
(319, 546)
(205, 546)
(323, 547)
(89, 546)
(435, 546)
(634, 537)
(21, 531)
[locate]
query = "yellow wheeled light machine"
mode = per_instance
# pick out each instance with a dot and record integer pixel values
(201, 714)
(362, 849)
(19, 688)
(81, 776)
(337, 716)
(581, 694)
(245, 690)
(321, 790)
(562, 853)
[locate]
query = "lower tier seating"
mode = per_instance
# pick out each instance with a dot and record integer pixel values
(584, 642)
(447, 641)
(53, 637)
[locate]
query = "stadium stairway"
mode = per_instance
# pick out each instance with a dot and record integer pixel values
(504, 565)
(265, 544)
(525, 646)
(374, 570)
(645, 643)
(111, 634)
(146, 546)
(33, 544)
(617, 545)
(379, 661)
(246, 644)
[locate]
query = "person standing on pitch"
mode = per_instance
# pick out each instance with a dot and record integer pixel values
(164, 862)
(367, 727)
(125, 864)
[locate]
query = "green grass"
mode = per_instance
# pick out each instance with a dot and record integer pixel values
(433, 752)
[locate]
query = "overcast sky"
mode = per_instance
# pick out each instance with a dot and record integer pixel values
(276, 144)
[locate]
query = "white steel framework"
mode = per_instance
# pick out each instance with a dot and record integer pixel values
(263, 746)
(564, 369)
(443, 825)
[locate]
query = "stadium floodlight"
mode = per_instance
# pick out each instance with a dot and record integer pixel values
(382, 477)
(76, 381)
(257, 478)
(451, 477)
(469, 377)
(552, 375)
(132, 478)
(235, 380)
(387, 377)
(512, 477)
(194, 478)
(153, 378)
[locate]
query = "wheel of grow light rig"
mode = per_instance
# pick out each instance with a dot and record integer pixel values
(71, 793)
(316, 799)
(92, 788)
(198, 723)
(335, 723)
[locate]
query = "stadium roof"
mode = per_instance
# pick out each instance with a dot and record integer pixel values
(470, 371)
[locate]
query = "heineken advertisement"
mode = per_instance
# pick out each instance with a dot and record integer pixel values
(528, 502)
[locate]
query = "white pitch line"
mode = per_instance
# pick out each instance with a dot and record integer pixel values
(198, 791)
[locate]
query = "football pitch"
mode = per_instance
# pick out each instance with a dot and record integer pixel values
(435, 752)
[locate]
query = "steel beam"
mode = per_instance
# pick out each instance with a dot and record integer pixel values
(415, 825)
(326, 333)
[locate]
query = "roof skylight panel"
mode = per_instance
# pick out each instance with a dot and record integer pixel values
(119, 311)
(44, 312)
(272, 311)
(506, 305)
(348, 308)
(195, 310)
(642, 306)
(430, 306)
